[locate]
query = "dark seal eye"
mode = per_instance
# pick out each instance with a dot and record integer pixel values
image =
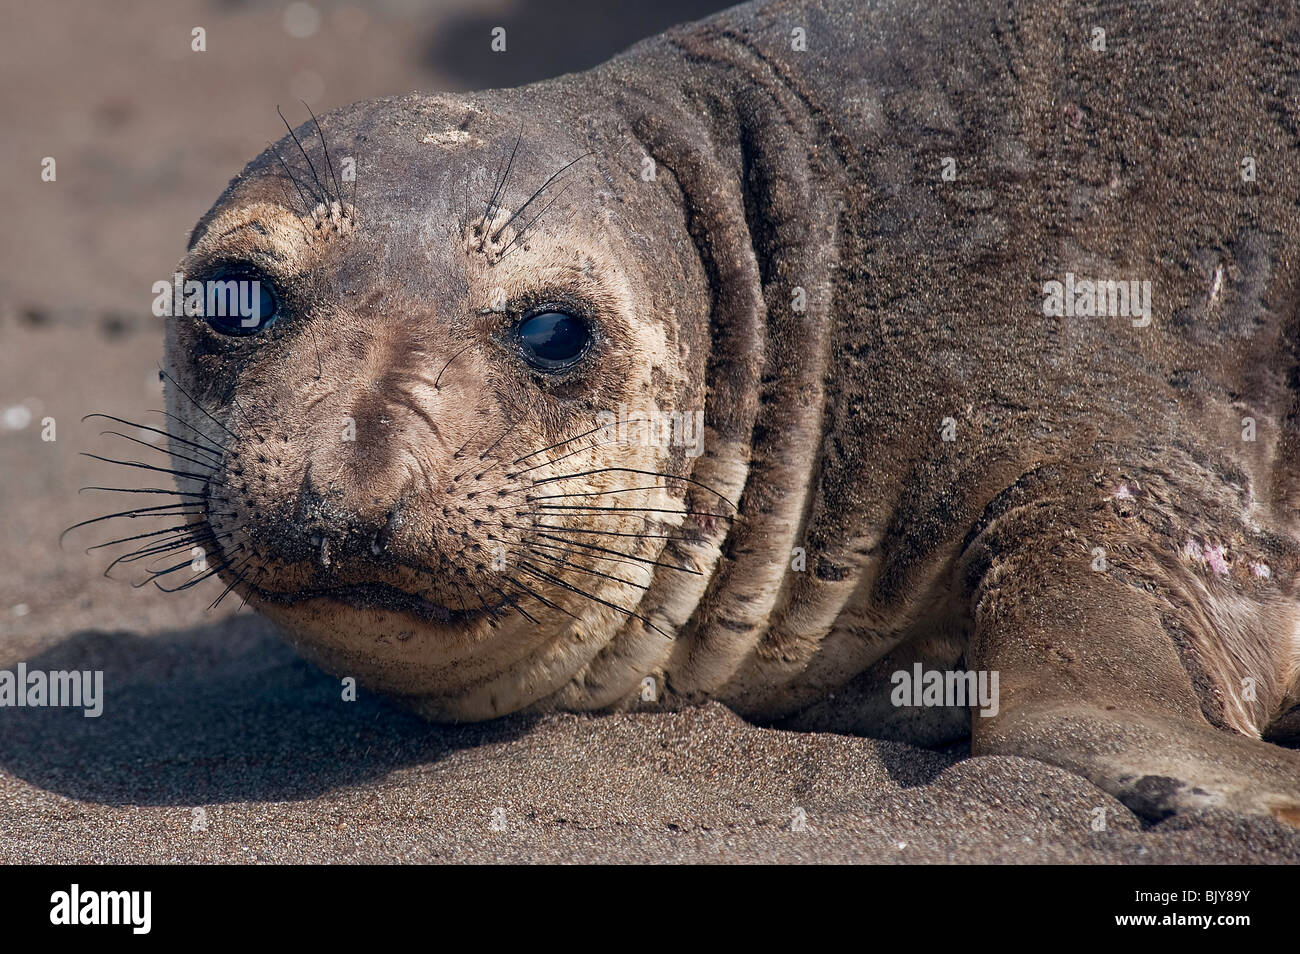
(553, 340)
(240, 302)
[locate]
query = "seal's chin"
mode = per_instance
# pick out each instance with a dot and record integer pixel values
(381, 596)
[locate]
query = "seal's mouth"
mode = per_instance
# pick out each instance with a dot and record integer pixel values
(372, 596)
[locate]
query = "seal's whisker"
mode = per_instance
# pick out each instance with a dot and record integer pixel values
(234, 401)
(588, 556)
(173, 510)
(588, 570)
(498, 192)
(592, 546)
(238, 572)
(614, 533)
(139, 536)
(182, 474)
(460, 597)
(520, 236)
(568, 440)
(189, 584)
(542, 574)
(315, 178)
(461, 450)
(523, 612)
(549, 463)
(158, 574)
(485, 471)
(497, 443)
(163, 550)
(437, 387)
(493, 509)
(494, 612)
(580, 508)
(545, 185)
(213, 451)
(155, 447)
(496, 178)
(144, 536)
(496, 462)
(202, 410)
(645, 473)
(239, 578)
(143, 490)
(502, 492)
(198, 533)
(328, 165)
(183, 538)
(203, 537)
(261, 575)
(211, 446)
(601, 493)
(307, 206)
(537, 596)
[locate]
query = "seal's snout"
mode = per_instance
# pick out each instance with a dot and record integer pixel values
(344, 528)
(327, 532)
(397, 513)
(359, 547)
(335, 535)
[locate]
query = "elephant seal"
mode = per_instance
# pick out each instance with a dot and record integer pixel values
(990, 312)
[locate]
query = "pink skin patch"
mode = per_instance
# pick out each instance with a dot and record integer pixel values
(1261, 570)
(1215, 556)
(1215, 559)
(1122, 493)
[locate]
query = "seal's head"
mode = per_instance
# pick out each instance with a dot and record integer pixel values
(446, 452)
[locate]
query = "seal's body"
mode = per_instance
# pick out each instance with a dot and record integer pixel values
(992, 328)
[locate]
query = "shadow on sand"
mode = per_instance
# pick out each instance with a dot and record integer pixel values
(217, 713)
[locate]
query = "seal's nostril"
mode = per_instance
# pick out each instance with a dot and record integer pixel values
(380, 541)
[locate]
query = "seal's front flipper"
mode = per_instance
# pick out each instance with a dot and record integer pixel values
(1157, 766)
(1120, 670)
